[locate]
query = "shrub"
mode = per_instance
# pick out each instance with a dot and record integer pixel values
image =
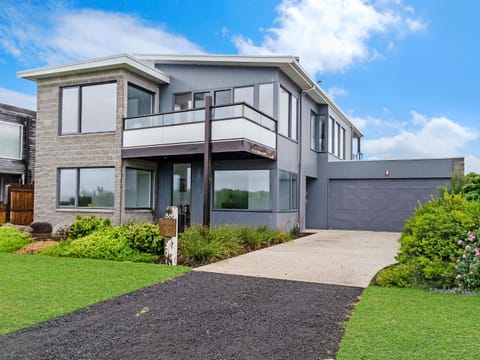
(84, 226)
(200, 245)
(397, 275)
(471, 189)
(429, 240)
(143, 237)
(106, 243)
(12, 239)
(468, 263)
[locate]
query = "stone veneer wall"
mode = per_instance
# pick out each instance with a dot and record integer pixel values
(81, 150)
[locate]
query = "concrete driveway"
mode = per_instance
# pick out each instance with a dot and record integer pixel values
(337, 257)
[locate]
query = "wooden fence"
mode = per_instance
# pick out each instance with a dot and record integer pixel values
(20, 204)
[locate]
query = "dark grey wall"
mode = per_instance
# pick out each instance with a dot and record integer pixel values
(377, 204)
(357, 195)
(26, 117)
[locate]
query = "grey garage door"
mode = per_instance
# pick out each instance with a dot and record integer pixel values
(377, 204)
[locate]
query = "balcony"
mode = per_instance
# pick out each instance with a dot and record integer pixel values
(234, 128)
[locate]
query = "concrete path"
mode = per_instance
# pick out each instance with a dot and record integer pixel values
(337, 257)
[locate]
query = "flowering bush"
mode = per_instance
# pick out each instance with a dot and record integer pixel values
(468, 263)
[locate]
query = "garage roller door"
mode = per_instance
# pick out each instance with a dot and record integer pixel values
(377, 204)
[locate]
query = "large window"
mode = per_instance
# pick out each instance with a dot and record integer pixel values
(342, 143)
(244, 94)
(316, 131)
(140, 101)
(265, 98)
(287, 190)
(89, 108)
(86, 187)
(242, 189)
(11, 140)
(138, 189)
(287, 114)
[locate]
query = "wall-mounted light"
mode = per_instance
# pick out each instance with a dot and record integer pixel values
(387, 173)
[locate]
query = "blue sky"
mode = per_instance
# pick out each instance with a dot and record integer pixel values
(404, 71)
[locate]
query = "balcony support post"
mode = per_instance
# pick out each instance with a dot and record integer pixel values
(207, 161)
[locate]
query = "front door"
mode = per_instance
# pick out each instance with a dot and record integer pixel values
(181, 193)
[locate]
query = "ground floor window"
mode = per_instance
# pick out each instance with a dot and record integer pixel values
(86, 187)
(138, 189)
(287, 190)
(242, 189)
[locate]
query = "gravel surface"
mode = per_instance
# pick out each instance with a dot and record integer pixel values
(197, 316)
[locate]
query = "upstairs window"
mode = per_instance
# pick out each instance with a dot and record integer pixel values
(88, 108)
(316, 131)
(182, 101)
(244, 94)
(140, 101)
(287, 114)
(199, 99)
(11, 140)
(223, 97)
(265, 99)
(331, 135)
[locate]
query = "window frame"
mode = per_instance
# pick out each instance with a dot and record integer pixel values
(292, 186)
(243, 171)
(80, 109)
(152, 182)
(77, 189)
(292, 114)
(151, 93)
(21, 135)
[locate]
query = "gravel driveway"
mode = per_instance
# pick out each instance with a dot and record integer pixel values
(197, 316)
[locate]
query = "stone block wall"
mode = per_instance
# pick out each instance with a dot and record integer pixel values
(54, 151)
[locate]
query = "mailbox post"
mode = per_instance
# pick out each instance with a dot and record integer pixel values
(168, 228)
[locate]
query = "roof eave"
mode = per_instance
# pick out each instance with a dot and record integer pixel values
(108, 63)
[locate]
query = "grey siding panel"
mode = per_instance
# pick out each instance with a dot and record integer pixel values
(185, 78)
(377, 204)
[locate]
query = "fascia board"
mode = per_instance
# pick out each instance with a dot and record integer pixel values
(108, 63)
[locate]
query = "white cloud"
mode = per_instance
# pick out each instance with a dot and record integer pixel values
(331, 35)
(71, 34)
(472, 164)
(362, 123)
(437, 137)
(335, 91)
(418, 119)
(15, 98)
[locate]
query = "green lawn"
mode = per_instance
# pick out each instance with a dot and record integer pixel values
(412, 324)
(34, 288)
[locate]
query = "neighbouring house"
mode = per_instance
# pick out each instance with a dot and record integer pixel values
(228, 139)
(17, 147)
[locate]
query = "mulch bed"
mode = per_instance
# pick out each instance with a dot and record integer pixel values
(36, 247)
(197, 316)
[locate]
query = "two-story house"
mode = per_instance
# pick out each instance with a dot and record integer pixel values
(17, 146)
(227, 139)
